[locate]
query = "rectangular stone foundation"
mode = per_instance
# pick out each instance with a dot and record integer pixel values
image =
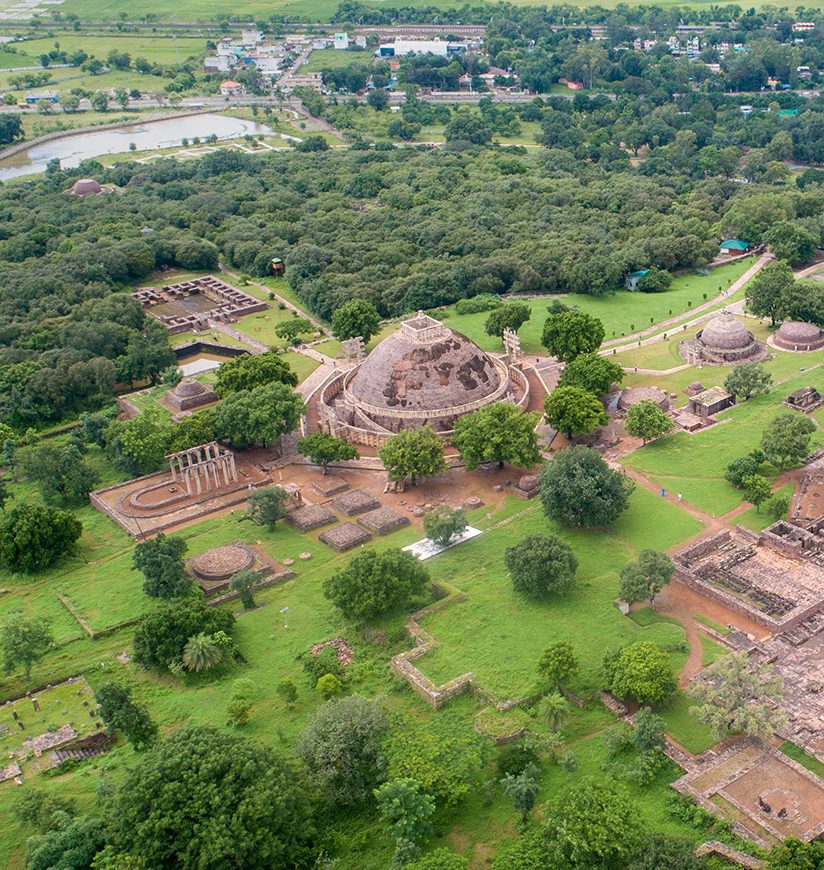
(355, 502)
(345, 536)
(310, 516)
(383, 520)
(329, 486)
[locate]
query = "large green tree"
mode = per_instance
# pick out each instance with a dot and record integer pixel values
(512, 315)
(748, 380)
(500, 433)
(249, 370)
(786, 439)
(358, 317)
(323, 448)
(640, 671)
(160, 560)
(765, 292)
(574, 411)
(376, 581)
(33, 537)
(259, 415)
(578, 488)
(646, 420)
(443, 523)
(341, 747)
(205, 798)
(558, 664)
(591, 372)
(24, 641)
(645, 577)
(569, 334)
(266, 506)
(413, 455)
(120, 712)
(162, 633)
(541, 565)
(737, 696)
(60, 472)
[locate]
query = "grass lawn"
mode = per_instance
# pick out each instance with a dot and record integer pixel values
(795, 752)
(156, 49)
(498, 635)
(683, 727)
(332, 58)
(622, 312)
(694, 464)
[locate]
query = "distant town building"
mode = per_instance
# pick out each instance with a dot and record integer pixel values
(217, 63)
(401, 47)
(232, 89)
(341, 41)
(734, 246)
(634, 279)
(803, 26)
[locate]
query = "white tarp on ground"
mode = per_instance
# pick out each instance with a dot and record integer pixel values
(427, 548)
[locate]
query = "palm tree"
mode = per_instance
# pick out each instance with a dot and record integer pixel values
(201, 653)
(554, 708)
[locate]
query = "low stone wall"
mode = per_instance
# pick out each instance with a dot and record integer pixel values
(715, 848)
(271, 580)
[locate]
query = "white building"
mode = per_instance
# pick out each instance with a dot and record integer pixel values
(217, 63)
(401, 47)
(341, 41)
(250, 38)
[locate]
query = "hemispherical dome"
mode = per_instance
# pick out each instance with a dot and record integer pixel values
(424, 367)
(188, 388)
(633, 395)
(798, 332)
(222, 562)
(84, 186)
(725, 332)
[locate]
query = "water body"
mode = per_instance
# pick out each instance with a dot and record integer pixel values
(71, 150)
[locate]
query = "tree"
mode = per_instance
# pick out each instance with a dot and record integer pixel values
(60, 472)
(777, 506)
(744, 466)
(120, 712)
(765, 292)
(238, 712)
(541, 565)
(655, 281)
(356, 318)
(500, 433)
(413, 455)
(443, 523)
(266, 506)
(748, 380)
(162, 633)
(322, 449)
(341, 748)
(522, 789)
(405, 809)
(168, 812)
(591, 372)
(646, 577)
(71, 843)
(785, 440)
(554, 708)
(243, 583)
(661, 852)
(512, 316)
(201, 653)
(574, 411)
(439, 859)
(329, 686)
(287, 692)
(374, 582)
(99, 100)
(160, 559)
(791, 242)
(649, 730)
(247, 371)
(569, 334)
(259, 415)
(640, 671)
(24, 641)
(757, 490)
(578, 488)
(33, 537)
(139, 445)
(291, 329)
(795, 854)
(645, 420)
(558, 664)
(739, 697)
(378, 100)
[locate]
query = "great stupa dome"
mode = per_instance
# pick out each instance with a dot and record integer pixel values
(423, 373)
(724, 341)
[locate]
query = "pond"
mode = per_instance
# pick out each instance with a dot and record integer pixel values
(70, 150)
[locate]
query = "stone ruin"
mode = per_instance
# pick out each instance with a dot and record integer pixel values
(345, 536)
(310, 516)
(356, 502)
(190, 305)
(806, 399)
(724, 341)
(383, 520)
(208, 466)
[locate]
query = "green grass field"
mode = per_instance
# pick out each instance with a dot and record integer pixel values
(156, 49)
(694, 464)
(622, 312)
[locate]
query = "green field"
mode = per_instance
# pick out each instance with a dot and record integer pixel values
(694, 464)
(622, 312)
(156, 49)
